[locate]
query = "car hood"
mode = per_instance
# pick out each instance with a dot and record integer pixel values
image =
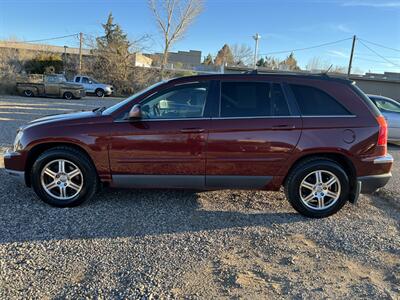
(73, 116)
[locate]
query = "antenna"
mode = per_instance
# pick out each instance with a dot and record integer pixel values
(326, 72)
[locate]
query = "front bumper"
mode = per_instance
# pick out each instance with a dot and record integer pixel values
(13, 164)
(372, 183)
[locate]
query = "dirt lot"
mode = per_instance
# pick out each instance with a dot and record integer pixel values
(174, 244)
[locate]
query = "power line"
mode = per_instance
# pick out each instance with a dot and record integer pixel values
(381, 56)
(307, 48)
(379, 45)
(43, 40)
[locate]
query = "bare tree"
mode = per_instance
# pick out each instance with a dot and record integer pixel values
(242, 54)
(173, 18)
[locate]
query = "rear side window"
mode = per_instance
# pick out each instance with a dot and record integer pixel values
(252, 99)
(314, 102)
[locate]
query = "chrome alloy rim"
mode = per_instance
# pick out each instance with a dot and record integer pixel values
(320, 190)
(61, 179)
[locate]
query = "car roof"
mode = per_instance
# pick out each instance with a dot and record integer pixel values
(249, 75)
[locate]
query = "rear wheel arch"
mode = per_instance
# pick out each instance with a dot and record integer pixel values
(338, 158)
(37, 150)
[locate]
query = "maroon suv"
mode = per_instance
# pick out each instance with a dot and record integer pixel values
(319, 137)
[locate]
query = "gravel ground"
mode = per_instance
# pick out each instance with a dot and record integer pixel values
(183, 244)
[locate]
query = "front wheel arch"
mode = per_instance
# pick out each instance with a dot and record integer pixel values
(35, 152)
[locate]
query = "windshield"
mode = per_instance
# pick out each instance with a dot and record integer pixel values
(93, 81)
(117, 106)
(387, 105)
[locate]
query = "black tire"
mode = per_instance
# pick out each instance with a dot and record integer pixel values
(99, 93)
(68, 96)
(90, 180)
(28, 93)
(302, 171)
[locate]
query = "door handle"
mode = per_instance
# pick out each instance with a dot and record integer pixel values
(192, 130)
(283, 127)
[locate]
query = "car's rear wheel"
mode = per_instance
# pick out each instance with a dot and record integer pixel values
(68, 95)
(99, 93)
(64, 177)
(28, 93)
(317, 188)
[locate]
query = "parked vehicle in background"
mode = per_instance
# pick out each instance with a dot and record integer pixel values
(94, 87)
(51, 86)
(390, 109)
(321, 138)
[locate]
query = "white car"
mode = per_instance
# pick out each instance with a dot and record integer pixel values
(390, 109)
(94, 87)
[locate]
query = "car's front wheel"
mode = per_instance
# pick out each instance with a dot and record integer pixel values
(68, 95)
(99, 93)
(317, 188)
(64, 177)
(28, 93)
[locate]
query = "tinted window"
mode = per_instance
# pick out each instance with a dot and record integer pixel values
(85, 80)
(186, 101)
(77, 79)
(252, 99)
(314, 102)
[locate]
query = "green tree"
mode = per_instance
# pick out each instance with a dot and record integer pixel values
(44, 63)
(289, 63)
(224, 56)
(113, 60)
(208, 60)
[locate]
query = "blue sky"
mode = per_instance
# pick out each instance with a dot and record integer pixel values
(283, 25)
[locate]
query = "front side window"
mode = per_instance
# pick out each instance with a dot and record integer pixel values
(187, 101)
(85, 80)
(252, 99)
(386, 105)
(314, 102)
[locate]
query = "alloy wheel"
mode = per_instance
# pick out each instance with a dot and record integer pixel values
(62, 179)
(320, 190)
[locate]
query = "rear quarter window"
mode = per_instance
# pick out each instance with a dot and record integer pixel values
(315, 102)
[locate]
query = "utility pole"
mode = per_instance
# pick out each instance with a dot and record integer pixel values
(80, 51)
(256, 38)
(351, 55)
(65, 60)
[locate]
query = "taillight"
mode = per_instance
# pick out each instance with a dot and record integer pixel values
(383, 132)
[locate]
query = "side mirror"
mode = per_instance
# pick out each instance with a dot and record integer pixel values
(90, 82)
(135, 113)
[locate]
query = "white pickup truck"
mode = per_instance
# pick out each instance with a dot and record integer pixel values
(91, 86)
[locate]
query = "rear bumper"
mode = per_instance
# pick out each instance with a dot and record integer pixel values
(371, 183)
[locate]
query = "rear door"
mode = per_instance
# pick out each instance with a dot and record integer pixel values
(255, 132)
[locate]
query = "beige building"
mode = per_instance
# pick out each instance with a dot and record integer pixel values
(42, 47)
(140, 60)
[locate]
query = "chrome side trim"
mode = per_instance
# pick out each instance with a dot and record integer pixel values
(19, 175)
(256, 117)
(154, 120)
(331, 116)
(387, 159)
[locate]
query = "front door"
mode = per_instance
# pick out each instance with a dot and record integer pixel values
(253, 136)
(166, 148)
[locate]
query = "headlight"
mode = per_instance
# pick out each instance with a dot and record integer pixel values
(17, 145)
